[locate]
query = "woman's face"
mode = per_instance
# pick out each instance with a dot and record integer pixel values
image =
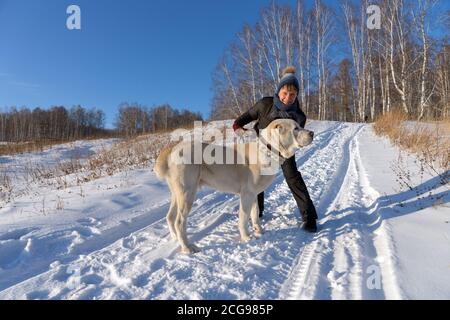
(287, 96)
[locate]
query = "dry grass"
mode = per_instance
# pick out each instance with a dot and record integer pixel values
(11, 148)
(133, 153)
(430, 141)
(138, 152)
(6, 186)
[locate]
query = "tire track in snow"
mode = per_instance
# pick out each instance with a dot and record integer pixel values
(344, 269)
(378, 230)
(359, 241)
(335, 264)
(326, 173)
(144, 239)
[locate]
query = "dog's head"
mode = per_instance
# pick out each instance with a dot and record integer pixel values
(286, 136)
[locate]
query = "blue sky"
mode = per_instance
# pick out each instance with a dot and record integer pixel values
(151, 52)
(146, 51)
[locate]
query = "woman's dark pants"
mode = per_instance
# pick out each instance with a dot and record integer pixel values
(298, 188)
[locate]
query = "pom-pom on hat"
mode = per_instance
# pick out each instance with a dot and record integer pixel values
(288, 78)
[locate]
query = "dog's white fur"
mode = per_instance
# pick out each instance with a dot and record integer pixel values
(245, 180)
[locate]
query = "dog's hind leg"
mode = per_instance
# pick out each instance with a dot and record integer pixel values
(255, 219)
(184, 203)
(244, 212)
(171, 216)
(185, 188)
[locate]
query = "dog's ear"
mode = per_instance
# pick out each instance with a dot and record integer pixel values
(278, 126)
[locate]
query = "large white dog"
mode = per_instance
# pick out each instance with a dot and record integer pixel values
(246, 176)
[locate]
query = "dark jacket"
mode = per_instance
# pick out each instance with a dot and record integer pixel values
(264, 111)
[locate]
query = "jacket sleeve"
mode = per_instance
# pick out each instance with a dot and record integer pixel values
(302, 119)
(251, 115)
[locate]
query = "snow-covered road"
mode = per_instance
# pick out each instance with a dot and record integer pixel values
(110, 240)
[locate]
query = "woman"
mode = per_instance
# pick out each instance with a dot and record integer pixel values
(284, 104)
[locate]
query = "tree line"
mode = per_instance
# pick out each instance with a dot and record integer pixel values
(56, 123)
(347, 71)
(133, 119)
(62, 124)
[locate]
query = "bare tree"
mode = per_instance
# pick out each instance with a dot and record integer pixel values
(397, 33)
(247, 57)
(423, 8)
(355, 35)
(443, 81)
(232, 87)
(302, 36)
(323, 19)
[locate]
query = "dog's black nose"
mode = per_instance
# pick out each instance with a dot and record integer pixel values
(311, 134)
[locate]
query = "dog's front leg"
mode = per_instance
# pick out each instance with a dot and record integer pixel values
(255, 219)
(244, 212)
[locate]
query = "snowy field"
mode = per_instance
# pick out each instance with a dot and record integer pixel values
(108, 238)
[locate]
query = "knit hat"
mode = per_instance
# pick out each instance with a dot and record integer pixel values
(288, 78)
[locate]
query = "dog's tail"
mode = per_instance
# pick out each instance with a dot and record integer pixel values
(162, 162)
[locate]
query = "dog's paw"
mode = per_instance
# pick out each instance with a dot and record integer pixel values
(258, 229)
(190, 249)
(245, 238)
(258, 233)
